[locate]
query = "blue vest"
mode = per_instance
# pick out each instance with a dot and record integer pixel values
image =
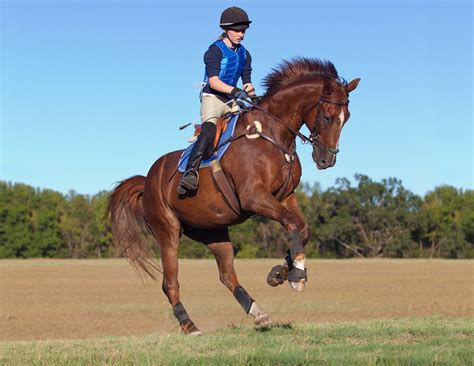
(232, 64)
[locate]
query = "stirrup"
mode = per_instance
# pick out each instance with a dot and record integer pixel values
(187, 186)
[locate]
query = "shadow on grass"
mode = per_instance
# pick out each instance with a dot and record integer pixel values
(268, 328)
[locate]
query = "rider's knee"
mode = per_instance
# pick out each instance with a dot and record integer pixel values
(208, 129)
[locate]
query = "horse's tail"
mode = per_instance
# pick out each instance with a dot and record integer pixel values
(131, 235)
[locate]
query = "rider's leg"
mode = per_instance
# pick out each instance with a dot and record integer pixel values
(212, 108)
(190, 179)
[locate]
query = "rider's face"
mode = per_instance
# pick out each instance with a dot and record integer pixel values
(236, 35)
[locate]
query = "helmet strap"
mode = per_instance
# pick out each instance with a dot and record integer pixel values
(234, 45)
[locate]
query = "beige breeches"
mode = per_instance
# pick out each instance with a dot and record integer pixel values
(214, 107)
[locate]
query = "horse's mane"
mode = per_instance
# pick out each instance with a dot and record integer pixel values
(297, 68)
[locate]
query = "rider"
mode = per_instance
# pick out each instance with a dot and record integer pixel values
(226, 61)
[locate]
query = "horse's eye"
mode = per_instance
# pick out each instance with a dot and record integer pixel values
(326, 119)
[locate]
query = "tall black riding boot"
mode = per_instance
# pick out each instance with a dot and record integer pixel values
(190, 180)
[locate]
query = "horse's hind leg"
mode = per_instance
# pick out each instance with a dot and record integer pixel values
(168, 238)
(219, 243)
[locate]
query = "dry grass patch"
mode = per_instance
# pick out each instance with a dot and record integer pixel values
(72, 299)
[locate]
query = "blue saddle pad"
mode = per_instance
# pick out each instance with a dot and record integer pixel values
(227, 135)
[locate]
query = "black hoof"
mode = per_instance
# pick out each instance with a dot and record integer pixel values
(296, 275)
(277, 276)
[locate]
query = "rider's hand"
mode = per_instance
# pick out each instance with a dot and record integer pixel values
(254, 98)
(239, 93)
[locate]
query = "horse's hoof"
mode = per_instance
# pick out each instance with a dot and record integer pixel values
(262, 320)
(277, 276)
(195, 333)
(297, 279)
(298, 286)
(190, 329)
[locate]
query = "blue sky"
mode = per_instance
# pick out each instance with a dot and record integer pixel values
(93, 92)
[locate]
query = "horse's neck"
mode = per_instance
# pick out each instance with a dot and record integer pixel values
(289, 106)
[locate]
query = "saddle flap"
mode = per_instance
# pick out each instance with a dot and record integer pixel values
(221, 127)
(226, 131)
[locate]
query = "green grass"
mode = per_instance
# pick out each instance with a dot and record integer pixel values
(411, 341)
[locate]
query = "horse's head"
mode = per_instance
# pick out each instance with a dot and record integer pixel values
(326, 119)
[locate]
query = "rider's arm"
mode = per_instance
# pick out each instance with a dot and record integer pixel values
(246, 75)
(212, 59)
(219, 85)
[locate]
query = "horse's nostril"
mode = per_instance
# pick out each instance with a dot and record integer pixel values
(323, 162)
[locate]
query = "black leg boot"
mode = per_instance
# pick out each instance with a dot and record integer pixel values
(190, 180)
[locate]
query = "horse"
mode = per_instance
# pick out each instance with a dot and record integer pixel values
(263, 173)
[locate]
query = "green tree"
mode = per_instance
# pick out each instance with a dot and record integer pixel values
(370, 220)
(101, 227)
(15, 220)
(46, 216)
(447, 219)
(77, 226)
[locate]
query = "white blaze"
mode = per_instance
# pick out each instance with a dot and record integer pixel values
(341, 117)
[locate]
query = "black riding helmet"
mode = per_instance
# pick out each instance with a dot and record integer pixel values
(235, 18)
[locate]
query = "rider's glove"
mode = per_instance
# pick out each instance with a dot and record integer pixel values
(255, 99)
(239, 93)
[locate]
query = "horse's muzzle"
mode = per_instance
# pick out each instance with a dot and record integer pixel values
(323, 160)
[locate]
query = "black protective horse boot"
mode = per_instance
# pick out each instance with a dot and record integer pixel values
(190, 180)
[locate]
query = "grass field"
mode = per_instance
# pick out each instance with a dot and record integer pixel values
(353, 311)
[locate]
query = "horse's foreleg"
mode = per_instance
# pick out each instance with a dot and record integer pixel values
(224, 254)
(295, 259)
(289, 215)
(169, 241)
(219, 243)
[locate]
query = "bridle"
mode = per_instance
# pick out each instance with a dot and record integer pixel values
(313, 138)
(289, 152)
(314, 135)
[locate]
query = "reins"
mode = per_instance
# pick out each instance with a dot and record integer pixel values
(289, 153)
(313, 137)
(303, 138)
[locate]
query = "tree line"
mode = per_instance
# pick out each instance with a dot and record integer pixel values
(367, 219)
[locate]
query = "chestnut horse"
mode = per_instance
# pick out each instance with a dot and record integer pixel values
(264, 173)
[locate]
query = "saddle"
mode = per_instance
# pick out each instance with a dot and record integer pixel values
(224, 131)
(221, 126)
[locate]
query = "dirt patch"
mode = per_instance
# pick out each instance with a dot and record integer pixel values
(44, 299)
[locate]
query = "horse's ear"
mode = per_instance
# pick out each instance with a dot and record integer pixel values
(352, 85)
